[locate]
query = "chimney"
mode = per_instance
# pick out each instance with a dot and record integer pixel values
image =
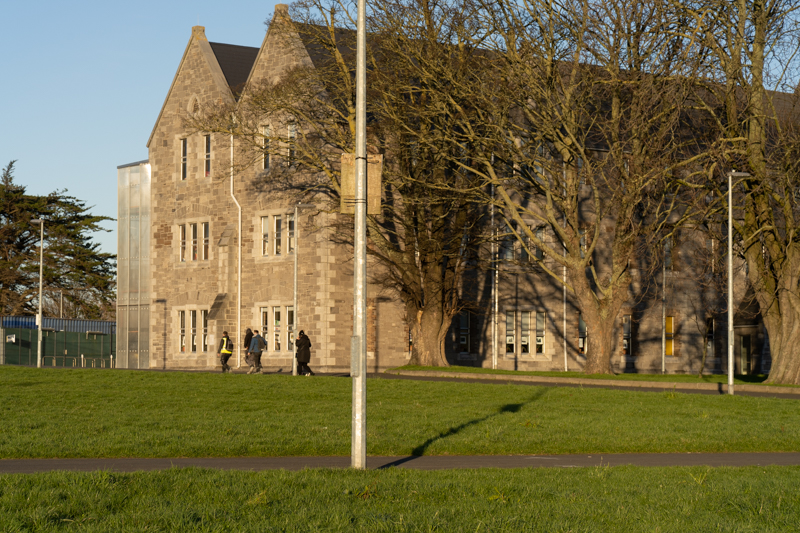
(282, 12)
(199, 32)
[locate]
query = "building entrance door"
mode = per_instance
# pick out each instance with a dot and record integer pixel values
(745, 355)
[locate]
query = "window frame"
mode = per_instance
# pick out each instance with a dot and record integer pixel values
(277, 230)
(207, 159)
(583, 334)
(184, 158)
(266, 156)
(541, 333)
(511, 332)
(669, 336)
(182, 243)
(291, 150)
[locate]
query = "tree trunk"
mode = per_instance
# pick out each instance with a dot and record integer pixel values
(600, 317)
(783, 328)
(429, 328)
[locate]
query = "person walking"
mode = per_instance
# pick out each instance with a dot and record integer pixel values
(303, 354)
(248, 336)
(257, 345)
(224, 351)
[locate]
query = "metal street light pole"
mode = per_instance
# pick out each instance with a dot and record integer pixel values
(731, 175)
(358, 454)
(39, 316)
(294, 305)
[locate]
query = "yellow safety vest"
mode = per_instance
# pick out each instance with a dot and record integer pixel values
(225, 345)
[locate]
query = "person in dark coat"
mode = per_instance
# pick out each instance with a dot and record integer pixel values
(257, 345)
(248, 336)
(303, 354)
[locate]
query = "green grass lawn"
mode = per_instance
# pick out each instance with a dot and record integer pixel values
(740, 379)
(624, 499)
(102, 413)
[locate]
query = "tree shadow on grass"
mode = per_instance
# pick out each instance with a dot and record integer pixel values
(508, 408)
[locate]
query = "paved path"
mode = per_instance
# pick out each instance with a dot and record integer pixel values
(29, 466)
(546, 381)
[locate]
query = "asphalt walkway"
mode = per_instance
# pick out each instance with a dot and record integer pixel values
(433, 462)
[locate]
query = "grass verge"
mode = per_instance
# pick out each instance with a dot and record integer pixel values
(101, 413)
(740, 379)
(625, 499)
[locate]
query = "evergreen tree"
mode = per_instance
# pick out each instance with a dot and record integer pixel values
(73, 264)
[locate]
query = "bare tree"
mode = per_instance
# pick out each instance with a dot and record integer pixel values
(751, 47)
(581, 133)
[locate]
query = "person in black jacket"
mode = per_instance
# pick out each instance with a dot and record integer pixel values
(248, 336)
(303, 354)
(224, 351)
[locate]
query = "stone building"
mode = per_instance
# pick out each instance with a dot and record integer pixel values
(203, 249)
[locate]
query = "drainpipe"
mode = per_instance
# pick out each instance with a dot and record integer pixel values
(239, 277)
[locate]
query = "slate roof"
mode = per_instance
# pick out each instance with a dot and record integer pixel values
(236, 63)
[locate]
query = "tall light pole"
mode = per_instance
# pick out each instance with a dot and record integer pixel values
(40, 222)
(358, 454)
(731, 175)
(297, 208)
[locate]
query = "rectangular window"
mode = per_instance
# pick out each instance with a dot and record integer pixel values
(626, 334)
(538, 252)
(540, 331)
(291, 152)
(184, 158)
(265, 236)
(290, 327)
(182, 320)
(277, 234)
(507, 245)
(204, 248)
(582, 242)
(193, 327)
(265, 325)
(463, 332)
(208, 155)
(511, 330)
(290, 228)
(525, 332)
(276, 327)
(669, 334)
(193, 233)
(182, 253)
(204, 324)
(267, 157)
(668, 253)
(710, 337)
(581, 335)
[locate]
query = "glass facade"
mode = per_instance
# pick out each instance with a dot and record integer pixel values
(133, 266)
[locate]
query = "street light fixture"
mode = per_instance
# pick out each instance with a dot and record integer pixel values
(297, 208)
(731, 175)
(40, 223)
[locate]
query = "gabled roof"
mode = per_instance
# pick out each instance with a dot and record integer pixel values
(226, 65)
(236, 63)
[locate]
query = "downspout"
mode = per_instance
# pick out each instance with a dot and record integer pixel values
(239, 277)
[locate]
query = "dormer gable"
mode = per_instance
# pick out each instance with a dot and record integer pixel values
(209, 68)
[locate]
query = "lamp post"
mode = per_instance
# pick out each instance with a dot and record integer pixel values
(297, 208)
(358, 343)
(731, 175)
(40, 222)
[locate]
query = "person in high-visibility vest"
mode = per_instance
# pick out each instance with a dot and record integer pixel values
(224, 351)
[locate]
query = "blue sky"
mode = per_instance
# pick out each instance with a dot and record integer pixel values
(81, 85)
